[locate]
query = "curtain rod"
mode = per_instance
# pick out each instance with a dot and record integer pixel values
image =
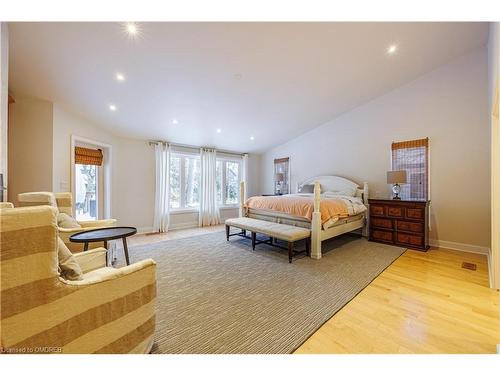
(151, 143)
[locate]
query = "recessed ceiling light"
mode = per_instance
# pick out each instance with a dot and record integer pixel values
(132, 29)
(120, 77)
(252, 138)
(112, 107)
(392, 49)
(175, 121)
(219, 130)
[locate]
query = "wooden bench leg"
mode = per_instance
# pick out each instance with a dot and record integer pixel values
(290, 252)
(227, 232)
(308, 247)
(253, 240)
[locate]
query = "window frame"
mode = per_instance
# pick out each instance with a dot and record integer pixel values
(106, 174)
(182, 178)
(224, 160)
(428, 167)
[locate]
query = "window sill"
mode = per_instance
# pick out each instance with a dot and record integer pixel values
(178, 211)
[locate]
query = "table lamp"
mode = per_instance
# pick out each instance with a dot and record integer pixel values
(396, 178)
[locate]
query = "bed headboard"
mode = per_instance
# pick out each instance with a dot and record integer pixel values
(336, 183)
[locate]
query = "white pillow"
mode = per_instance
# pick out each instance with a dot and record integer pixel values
(349, 193)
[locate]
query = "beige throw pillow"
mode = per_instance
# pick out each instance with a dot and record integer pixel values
(69, 268)
(66, 221)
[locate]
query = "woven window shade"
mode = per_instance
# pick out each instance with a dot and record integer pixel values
(88, 156)
(413, 157)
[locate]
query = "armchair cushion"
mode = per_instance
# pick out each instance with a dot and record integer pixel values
(66, 221)
(69, 268)
(91, 259)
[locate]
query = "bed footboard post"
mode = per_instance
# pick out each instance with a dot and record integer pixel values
(364, 231)
(316, 224)
(243, 198)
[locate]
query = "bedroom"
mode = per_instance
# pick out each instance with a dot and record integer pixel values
(249, 187)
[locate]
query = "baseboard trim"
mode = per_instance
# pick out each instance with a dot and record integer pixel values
(461, 247)
(188, 225)
(178, 226)
(144, 230)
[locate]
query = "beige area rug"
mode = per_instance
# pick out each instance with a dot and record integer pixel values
(221, 297)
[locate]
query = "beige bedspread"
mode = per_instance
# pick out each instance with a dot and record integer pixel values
(301, 206)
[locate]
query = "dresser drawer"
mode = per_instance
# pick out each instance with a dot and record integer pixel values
(396, 211)
(381, 223)
(377, 210)
(409, 239)
(410, 226)
(382, 235)
(417, 213)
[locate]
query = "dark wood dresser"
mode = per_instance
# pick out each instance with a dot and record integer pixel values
(400, 222)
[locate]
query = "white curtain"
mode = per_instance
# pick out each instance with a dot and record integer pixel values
(209, 210)
(244, 175)
(162, 202)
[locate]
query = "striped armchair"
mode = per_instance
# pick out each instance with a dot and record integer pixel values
(63, 202)
(109, 311)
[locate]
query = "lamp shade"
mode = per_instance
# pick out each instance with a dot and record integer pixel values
(280, 177)
(396, 177)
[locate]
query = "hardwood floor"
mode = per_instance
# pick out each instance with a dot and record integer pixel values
(422, 303)
(146, 238)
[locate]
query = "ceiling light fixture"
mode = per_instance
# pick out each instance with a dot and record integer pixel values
(120, 77)
(392, 49)
(175, 121)
(132, 29)
(219, 130)
(112, 107)
(252, 137)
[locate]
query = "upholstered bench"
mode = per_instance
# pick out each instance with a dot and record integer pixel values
(288, 233)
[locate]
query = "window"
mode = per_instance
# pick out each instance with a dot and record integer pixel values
(184, 181)
(413, 157)
(86, 192)
(88, 182)
(228, 182)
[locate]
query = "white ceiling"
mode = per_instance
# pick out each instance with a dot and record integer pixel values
(294, 76)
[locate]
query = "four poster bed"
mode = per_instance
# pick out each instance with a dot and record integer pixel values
(328, 205)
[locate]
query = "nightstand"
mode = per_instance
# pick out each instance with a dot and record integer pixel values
(400, 222)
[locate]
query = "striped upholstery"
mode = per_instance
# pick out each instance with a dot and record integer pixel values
(109, 311)
(63, 202)
(39, 198)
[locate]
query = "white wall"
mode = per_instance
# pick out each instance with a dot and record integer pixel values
(133, 172)
(30, 145)
(450, 106)
(132, 180)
